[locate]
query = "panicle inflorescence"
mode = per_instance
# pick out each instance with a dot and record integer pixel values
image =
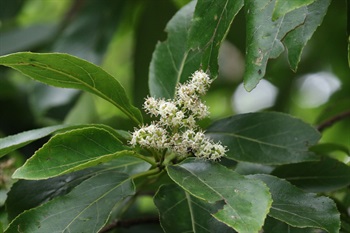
(177, 129)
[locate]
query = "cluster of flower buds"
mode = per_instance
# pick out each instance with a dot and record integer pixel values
(177, 129)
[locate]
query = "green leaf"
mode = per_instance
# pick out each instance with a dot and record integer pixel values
(172, 61)
(246, 200)
(27, 194)
(296, 40)
(19, 140)
(266, 138)
(191, 214)
(85, 209)
(282, 7)
(72, 151)
(63, 70)
(210, 24)
(299, 209)
(264, 37)
(274, 226)
(322, 176)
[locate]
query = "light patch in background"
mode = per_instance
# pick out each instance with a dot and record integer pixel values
(263, 96)
(315, 89)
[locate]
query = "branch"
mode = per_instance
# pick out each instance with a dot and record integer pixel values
(329, 122)
(129, 222)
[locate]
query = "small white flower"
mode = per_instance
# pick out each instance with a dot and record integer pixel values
(151, 106)
(176, 129)
(201, 81)
(151, 136)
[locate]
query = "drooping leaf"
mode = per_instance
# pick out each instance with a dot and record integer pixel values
(27, 194)
(72, 151)
(266, 138)
(325, 175)
(210, 24)
(191, 214)
(264, 37)
(19, 140)
(274, 226)
(282, 7)
(296, 40)
(172, 61)
(85, 209)
(245, 200)
(298, 208)
(63, 70)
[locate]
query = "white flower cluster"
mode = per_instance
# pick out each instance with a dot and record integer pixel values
(176, 128)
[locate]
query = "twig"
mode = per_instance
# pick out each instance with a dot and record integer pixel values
(129, 222)
(329, 122)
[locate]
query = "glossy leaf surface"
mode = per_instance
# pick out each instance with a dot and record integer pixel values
(27, 194)
(13, 142)
(85, 209)
(245, 200)
(191, 214)
(325, 175)
(63, 70)
(300, 209)
(265, 138)
(72, 151)
(210, 24)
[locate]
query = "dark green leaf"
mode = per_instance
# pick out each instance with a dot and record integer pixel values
(72, 151)
(266, 138)
(63, 70)
(85, 209)
(274, 226)
(245, 200)
(191, 214)
(322, 176)
(27, 194)
(172, 61)
(299, 209)
(264, 37)
(296, 40)
(282, 7)
(210, 24)
(14, 142)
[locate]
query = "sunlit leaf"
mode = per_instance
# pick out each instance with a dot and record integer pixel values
(27, 194)
(210, 24)
(265, 138)
(85, 209)
(63, 70)
(72, 151)
(13, 142)
(325, 175)
(298, 208)
(245, 200)
(191, 214)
